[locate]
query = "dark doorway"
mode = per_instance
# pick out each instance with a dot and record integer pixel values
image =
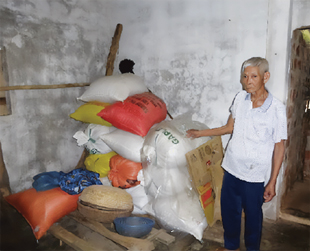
(295, 203)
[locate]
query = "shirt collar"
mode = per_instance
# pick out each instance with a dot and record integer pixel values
(266, 104)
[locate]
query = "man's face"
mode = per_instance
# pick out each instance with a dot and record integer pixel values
(252, 81)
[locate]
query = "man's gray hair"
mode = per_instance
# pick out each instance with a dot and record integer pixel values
(259, 62)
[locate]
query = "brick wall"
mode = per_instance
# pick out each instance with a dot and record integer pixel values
(307, 155)
(298, 122)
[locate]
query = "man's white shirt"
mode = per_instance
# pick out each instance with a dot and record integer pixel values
(256, 130)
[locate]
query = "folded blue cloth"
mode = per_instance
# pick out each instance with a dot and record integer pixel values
(45, 181)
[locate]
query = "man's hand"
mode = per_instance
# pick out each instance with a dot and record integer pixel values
(192, 133)
(278, 153)
(226, 129)
(270, 192)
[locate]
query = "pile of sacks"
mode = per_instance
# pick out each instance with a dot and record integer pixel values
(118, 111)
(133, 146)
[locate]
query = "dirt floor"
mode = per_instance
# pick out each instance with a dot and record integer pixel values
(16, 234)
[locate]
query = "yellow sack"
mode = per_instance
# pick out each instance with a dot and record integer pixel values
(99, 163)
(87, 113)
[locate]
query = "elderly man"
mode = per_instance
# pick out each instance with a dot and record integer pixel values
(253, 156)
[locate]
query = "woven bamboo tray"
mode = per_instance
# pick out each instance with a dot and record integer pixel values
(101, 214)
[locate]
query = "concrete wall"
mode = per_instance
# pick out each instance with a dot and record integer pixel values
(189, 53)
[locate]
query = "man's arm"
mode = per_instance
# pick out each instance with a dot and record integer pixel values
(278, 154)
(226, 129)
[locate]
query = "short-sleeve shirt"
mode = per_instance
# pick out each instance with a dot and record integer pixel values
(256, 130)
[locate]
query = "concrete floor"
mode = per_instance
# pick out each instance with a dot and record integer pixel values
(16, 234)
(297, 201)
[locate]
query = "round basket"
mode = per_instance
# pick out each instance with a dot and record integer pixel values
(102, 215)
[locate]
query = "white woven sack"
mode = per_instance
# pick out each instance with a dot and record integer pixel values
(126, 144)
(110, 89)
(90, 138)
(139, 198)
(172, 199)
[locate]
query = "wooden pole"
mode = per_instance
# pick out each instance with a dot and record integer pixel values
(5, 189)
(32, 87)
(5, 103)
(109, 71)
(71, 239)
(113, 50)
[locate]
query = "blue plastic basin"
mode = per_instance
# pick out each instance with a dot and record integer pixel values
(133, 226)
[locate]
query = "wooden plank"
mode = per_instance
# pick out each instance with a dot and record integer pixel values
(5, 189)
(81, 161)
(113, 50)
(162, 236)
(5, 108)
(127, 242)
(71, 239)
(36, 87)
(97, 240)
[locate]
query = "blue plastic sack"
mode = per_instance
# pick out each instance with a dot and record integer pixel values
(75, 181)
(45, 181)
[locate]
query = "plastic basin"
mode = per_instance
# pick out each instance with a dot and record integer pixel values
(133, 226)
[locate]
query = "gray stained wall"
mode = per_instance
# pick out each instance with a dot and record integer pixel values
(188, 52)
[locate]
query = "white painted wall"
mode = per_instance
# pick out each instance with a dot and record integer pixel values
(278, 52)
(189, 53)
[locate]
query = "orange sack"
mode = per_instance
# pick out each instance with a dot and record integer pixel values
(136, 114)
(43, 209)
(124, 172)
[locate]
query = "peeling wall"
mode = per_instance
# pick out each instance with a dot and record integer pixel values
(47, 43)
(189, 53)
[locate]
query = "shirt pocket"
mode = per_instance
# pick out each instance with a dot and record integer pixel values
(263, 128)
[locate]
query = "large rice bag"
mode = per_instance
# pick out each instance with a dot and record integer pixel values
(90, 138)
(172, 200)
(137, 114)
(126, 144)
(99, 163)
(43, 209)
(114, 88)
(87, 113)
(124, 172)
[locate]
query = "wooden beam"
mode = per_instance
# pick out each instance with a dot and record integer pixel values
(71, 239)
(127, 242)
(113, 50)
(5, 189)
(32, 87)
(5, 107)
